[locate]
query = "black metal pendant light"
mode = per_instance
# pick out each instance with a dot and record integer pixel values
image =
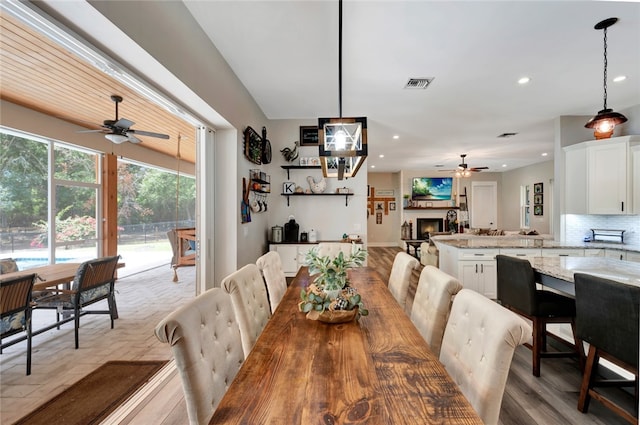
(342, 142)
(606, 119)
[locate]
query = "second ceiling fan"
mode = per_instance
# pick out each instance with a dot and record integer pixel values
(464, 170)
(119, 130)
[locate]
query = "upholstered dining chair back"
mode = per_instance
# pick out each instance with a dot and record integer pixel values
(332, 249)
(477, 349)
(400, 276)
(15, 311)
(205, 341)
(250, 303)
(432, 304)
(270, 266)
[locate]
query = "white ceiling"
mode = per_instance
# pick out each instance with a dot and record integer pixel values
(286, 54)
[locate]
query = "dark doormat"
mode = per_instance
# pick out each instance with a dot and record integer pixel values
(94, 397)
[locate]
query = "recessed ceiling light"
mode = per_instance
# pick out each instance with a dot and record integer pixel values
(524, 80)
(395, 136)
(373, 166)
(381, 156)
(504, 165)
(619, 78)
(544, 154)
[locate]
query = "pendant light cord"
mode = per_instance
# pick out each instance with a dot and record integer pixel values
(340, 58)
(604, 83)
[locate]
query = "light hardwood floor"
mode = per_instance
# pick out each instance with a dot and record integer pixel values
(144, 299)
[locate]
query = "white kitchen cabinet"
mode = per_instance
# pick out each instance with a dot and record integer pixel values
(521, 252)
(607, 179)
(633, 256)
(635, 178)
(594, 252)
(288, 256)
(563, 252)
(599, 176)
(480, 276)
(477, 270)
(615, 253)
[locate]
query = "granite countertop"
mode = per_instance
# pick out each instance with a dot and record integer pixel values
(564, 267)
(527, 242)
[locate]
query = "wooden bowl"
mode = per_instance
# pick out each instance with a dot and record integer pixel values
(336, 316)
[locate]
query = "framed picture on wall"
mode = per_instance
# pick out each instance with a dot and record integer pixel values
(537, 210)
(537, 199)
(308, 135)
(392, 206)
(537, 188)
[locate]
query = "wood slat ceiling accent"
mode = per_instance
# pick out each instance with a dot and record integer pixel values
(38, 74)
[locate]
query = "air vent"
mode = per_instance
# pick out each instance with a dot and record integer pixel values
(418, 83)
(505, 135)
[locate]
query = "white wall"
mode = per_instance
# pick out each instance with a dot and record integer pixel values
(510, 206)
(386, 233)
(328, 215)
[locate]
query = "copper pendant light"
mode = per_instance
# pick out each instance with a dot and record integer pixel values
(606, 119)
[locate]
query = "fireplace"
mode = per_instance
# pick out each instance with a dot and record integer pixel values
(426, 225)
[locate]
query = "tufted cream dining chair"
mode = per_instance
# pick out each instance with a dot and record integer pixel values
(432, 304)
(477, 349)
(332, 249)
(400, 276)
(270, 266)
(205, 340)
(250, 303)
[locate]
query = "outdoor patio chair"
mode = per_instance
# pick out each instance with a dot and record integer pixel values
(183, 245)
(8, 265)
(94, 282)
(15, 311)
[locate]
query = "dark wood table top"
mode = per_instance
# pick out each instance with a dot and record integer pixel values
(377, 370)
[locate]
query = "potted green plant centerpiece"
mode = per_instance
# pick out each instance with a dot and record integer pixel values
(331, 298)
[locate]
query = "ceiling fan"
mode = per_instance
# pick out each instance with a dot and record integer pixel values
(464, 170)
(119, 130)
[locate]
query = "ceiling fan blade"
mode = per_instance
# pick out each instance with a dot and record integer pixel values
(149, 133)
(123, 123)
(478, 168)
(90, 131)
(132, 138)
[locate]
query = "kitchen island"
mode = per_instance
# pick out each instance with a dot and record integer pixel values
(472, 259)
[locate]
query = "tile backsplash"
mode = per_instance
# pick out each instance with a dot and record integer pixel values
(579, 226)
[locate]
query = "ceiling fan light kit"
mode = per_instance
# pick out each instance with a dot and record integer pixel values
(606, 119)
(116, 138)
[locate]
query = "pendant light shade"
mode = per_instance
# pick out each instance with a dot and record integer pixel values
(606, 119)
(342, 142)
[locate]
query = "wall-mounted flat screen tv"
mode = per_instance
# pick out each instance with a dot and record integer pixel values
(431, 188)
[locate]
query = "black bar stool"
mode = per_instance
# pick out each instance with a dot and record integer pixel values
(518, 292)
(607, 318)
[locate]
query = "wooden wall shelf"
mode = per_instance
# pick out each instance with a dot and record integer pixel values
(299, 167)
(431, 208)
(346, 196)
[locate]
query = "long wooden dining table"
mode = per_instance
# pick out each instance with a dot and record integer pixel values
(376, 370)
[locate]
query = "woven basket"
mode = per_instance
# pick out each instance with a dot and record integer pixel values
(335, 316)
